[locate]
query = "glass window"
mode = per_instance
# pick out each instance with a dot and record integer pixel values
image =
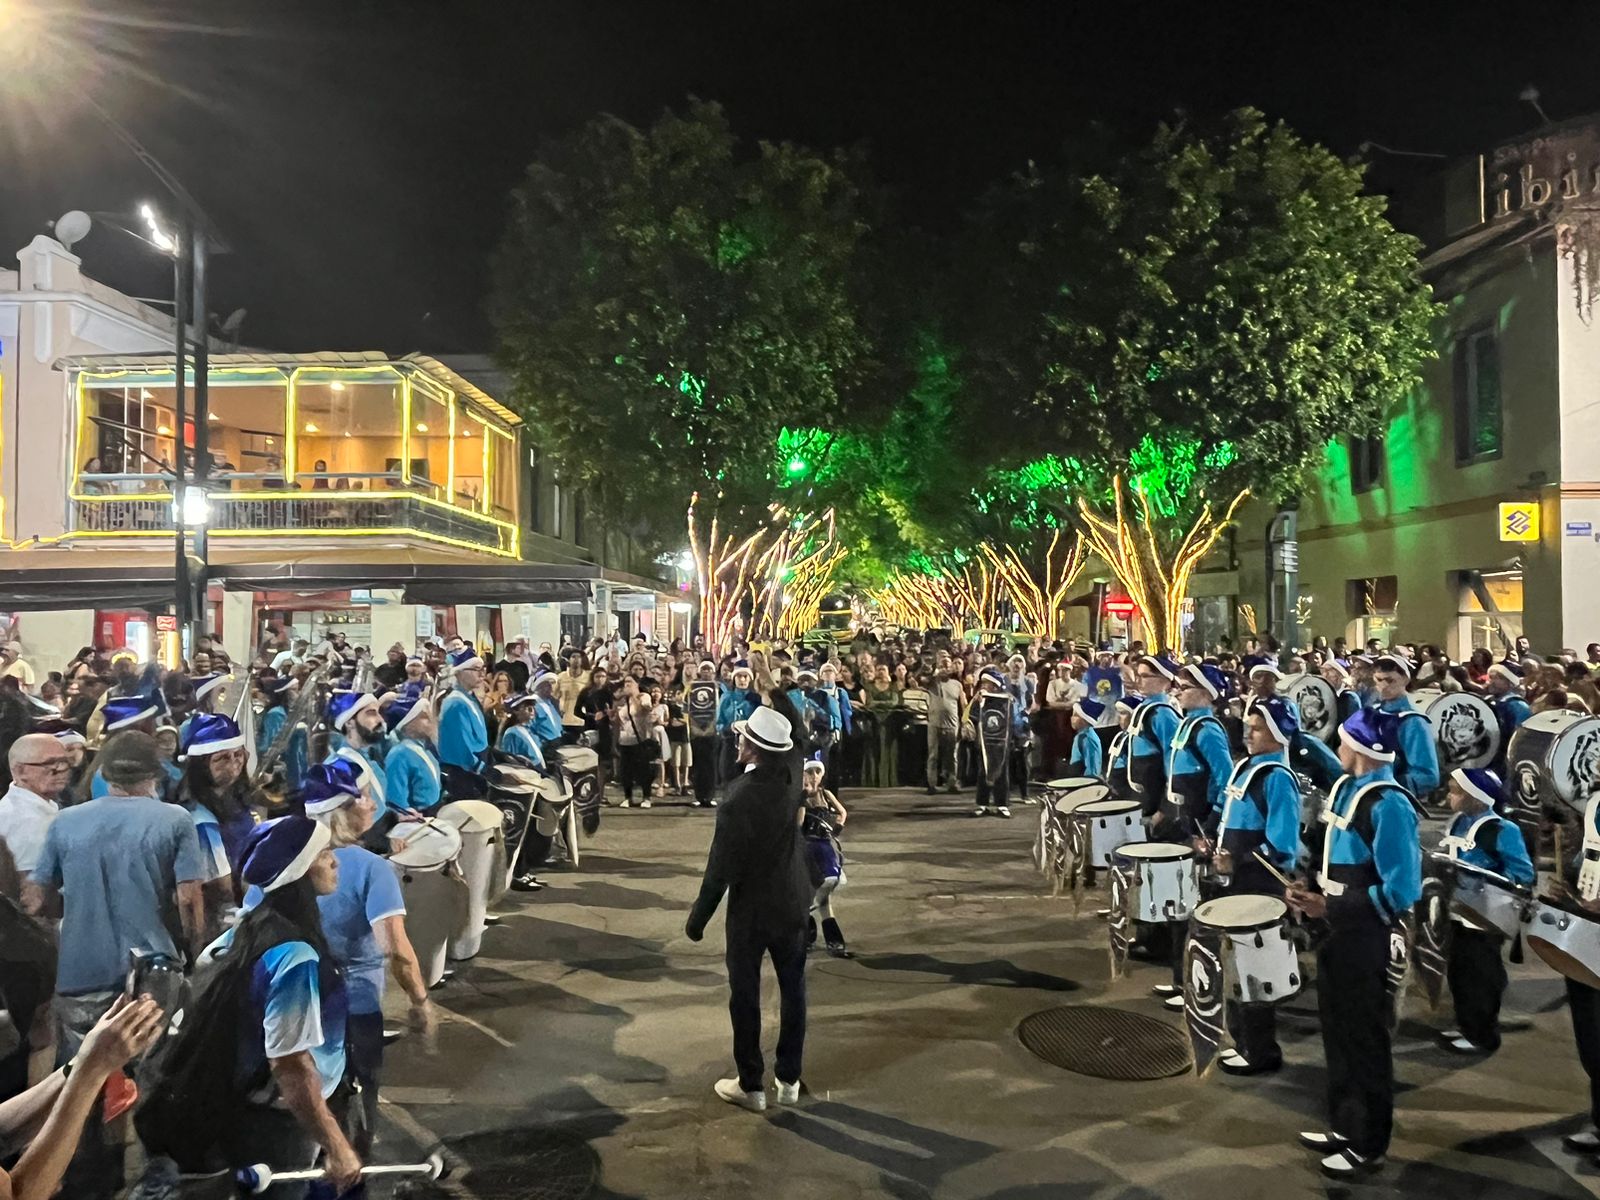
(1490, 610)
(348, 433)
(472, 449)
(1366, 464)
(501, 500)
(1477, 396)
(245, 433)
(429, 439)
(535, 484)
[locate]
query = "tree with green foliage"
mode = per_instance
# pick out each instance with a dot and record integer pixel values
(1154, 335)
(668, 301)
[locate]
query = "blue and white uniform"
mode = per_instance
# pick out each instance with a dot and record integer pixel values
(1198, 766)
(463, 731)
(411, 776)
(519, 740)
(1417, 767)
(1088, 755)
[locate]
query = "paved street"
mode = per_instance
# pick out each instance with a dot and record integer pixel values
(590, 1018)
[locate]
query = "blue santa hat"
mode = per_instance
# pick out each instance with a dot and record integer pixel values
(206, 684)
(344, 705)
(464, 659)
(1209, 677)
(280, 851)
(328, 787)
(1163, 664)
(415, 658)
(1127, 703)
(1397, 663)
(1279, 716)
(210, 733)
(404, 710)
(1509, 671)
(1089, 710)
(1480, 784)
(541, 678)
(1344, 674)
(276, 685)
(521, 699)
(1265, 667)
(122, 712)
(1372, 733)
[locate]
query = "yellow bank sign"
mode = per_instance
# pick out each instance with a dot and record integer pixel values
(1519, 522)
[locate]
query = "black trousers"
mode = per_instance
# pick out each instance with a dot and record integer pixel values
(997, 794)
(1254, 1030)
(1353, 1002)
(638, 769)
(703, 768)
(1477, 975)
(1585, 1004)
(746, 949)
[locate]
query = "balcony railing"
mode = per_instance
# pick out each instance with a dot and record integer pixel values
(322, 513)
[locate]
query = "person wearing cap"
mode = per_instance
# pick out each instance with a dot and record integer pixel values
(1416, 766)
(203, 693)
(1200, 761)
(416, 679)
(757, 861)
(223, 807)
(412, 779)
(546, 725)
(1344, 691)
(824, 815)
(363, 920)
(992, 713)
(737, 703)
(1264, 679)
(1370, 877)
(463, 736)
(12, 666)
(122, 714)
(1155, 724)
(1480, 837)
(356, 719)
(276, 970)
(1510, 708)
(517, 735)
(1088, 756)
(118, 870)
(296, 756)
(1117, 756)
(1259, 814)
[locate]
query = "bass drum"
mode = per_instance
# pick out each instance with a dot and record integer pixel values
(1554, 761)
(1318, 703)
(1465, 729)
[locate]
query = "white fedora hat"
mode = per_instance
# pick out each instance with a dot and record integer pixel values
(767, 728)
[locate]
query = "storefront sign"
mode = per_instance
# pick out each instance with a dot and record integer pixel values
(166, 623)
(1580, 528)
(1519, 522)
(1120, 607)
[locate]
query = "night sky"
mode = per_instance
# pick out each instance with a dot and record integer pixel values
(357, 153)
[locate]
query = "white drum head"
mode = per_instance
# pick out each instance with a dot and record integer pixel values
(1242, 912)
(470, 816)
(427, 847)
(1076, 799)
(1318, 703)
(1108, 807)
(1074, 783)
(1155, 851)
(1464, 728)
(577, 759)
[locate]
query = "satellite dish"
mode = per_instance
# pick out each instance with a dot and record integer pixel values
(72, 227)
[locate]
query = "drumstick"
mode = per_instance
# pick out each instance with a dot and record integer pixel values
(1272, 870)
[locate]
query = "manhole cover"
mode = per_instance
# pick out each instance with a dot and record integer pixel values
(1109, 1043)
(524, 1164)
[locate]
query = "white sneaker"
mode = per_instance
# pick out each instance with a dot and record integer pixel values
(1173, 1003)
(980, 811)
(625, 803)
(729, 1090)
(1004, 812)
(712, 803)
(787, 1093)
(644, 804)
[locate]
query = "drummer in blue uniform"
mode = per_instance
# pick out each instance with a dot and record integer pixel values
(1088, 750)
(546, 724)
(463, 729)
(1510, 708)
(1260, 815)
(518, 736)
(1416, 766)
(355, 718)
(411, 777)
(1481, 837)
(1345, 695)
(1154, 725)
(1118, 753)
(297, 753)
(1371, 876)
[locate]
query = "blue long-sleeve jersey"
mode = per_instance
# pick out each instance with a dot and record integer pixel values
(1486, 839)
(1314, 759)
(1372, 858)
(463, 731)
(1262, 809)
(1154, 724)
(1418, 767)
(1200, 746)
(521, 740)
(546, 723)
(411, 776)
(734, 706)
(297, 754)
(1088, 755)
(1510, 711)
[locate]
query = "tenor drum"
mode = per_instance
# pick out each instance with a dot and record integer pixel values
(1164, 881)
(435, 896)
(1318, 702)
(1554, 759)
(1465, 729)
(483, 867)
(576, 760)
(1486, 900)
(1108, 824)
(1568, 942)
(1255, 946)
(1075, 783)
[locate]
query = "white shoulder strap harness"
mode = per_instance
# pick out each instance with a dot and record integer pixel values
(371, 781)
(1457, 845)
(1244, 771)
(1589, 872)
(1339, 814)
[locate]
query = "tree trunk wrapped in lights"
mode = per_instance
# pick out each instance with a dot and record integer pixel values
(1155, 573)
(792, 575)
(1039, 592)
(978, 594)
(723, 565)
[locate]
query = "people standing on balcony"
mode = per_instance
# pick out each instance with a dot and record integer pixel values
(411, 774)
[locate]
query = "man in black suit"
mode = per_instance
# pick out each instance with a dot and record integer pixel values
(757, 858)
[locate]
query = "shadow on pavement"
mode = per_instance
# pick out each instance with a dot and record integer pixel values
(901, 1150)
(994, 972)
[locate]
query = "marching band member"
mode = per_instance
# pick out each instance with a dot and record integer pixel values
(1264, 679)
(296, 755)
(1117, 753)
(1151, 731)
(463, 736)
(1574, 887)
(1371, 876)
(219, 804)
(1199, 762)
(354, 718)
(828, 684)
(411, 768)
(1480, 836)
(994, 746)
(518, 736)
(1088, 751)
(1261, 814)
(546, 726)
(206, 689)
(1510, 708)
(1416, 766)
(1344, 692)
(823, 815)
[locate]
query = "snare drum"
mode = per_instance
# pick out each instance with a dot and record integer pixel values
(1255, 946)
(435, 896)
(1075, 783)
(1485, 900)
(1554, 757)
(483, 866)
(1108, 824)
(576, 760)
(1165, 883)
(1568, 942)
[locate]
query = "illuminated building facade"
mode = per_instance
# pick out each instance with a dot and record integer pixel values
(1404, 536)
(391, 498)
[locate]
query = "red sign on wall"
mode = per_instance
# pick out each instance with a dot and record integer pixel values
(166, 623)
(1120, 607)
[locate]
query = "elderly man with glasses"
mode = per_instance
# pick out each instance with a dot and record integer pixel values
(39, 773)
